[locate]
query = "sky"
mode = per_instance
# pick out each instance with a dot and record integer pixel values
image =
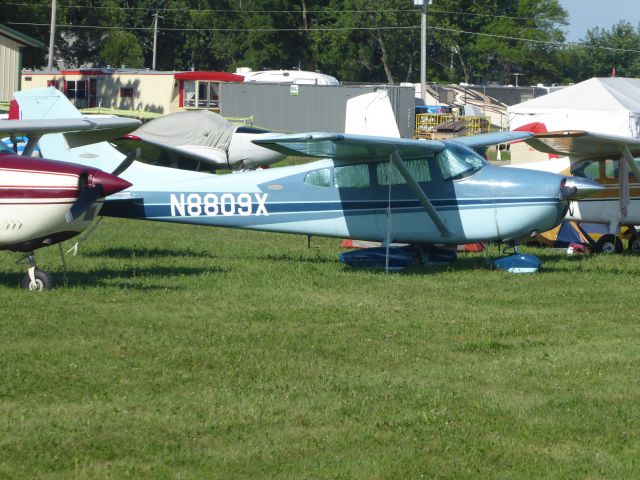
(587, 14)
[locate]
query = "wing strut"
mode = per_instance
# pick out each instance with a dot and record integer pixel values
(626, 153)
(31, 145)
(417, 191)
(624, 178)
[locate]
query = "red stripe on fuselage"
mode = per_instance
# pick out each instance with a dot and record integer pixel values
(37, 192)
(40, 172)
(11, 161)
(37, 204)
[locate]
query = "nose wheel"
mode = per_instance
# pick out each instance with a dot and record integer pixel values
(36, 280)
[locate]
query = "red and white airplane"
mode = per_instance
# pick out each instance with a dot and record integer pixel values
(43, 202)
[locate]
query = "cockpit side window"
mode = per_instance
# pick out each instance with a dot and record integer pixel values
(457, 162)
(4, 148)
(352, 176)
(388, 174)
(318, 178)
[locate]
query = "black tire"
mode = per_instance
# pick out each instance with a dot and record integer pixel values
(609, 244)
(634, 244)
(43, 281)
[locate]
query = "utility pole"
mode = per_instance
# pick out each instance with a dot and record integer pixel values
(155, 38)
(423, 46)
(52, 35)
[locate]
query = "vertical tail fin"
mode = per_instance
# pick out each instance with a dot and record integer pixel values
(371, 114)
(50, 103)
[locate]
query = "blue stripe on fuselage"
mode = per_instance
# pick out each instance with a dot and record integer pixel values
(139, 209)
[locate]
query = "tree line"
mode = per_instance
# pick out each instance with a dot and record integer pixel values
(472, 41)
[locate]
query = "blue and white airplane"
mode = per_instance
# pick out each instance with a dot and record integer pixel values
(365, 187)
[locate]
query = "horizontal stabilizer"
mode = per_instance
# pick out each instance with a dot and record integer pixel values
(77, 131)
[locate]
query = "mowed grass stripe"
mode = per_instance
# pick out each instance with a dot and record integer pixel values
(188, 352)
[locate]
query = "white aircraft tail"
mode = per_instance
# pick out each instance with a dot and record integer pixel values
(371, 114)
(49, 104)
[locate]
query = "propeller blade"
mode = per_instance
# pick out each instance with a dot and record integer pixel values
(84, 201)
(126, 163)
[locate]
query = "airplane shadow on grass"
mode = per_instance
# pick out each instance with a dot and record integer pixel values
(292, 257)
(144, 252)
(136, 278)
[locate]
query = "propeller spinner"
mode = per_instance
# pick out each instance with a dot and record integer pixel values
(575, 188)
(92, 185)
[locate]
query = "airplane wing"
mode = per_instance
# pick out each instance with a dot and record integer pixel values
(77, 131)
(584, 144)
(360, 147)
(349, 147)
(486, 139)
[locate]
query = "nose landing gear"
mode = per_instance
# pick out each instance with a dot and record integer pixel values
(36, 280)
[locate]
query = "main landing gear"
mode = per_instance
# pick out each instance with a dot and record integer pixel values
(36, 280)
(609, 244)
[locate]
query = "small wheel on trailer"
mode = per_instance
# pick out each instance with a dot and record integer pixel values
(634, 244)
(42, 281)
(609, 244)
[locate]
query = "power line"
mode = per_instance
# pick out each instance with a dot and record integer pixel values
(218, 10)
(332, 29)
(296, 12)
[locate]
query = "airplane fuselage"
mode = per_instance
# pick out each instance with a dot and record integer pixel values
(329, 198)
(35, 195)
(603, 207)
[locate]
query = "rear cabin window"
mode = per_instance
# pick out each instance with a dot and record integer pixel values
(388, 174)
(597, 170)
(352, 176)
(318, 178)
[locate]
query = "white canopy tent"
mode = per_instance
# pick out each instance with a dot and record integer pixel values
(602, 105)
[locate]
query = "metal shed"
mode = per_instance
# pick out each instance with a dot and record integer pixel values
(308, 108)
(11, 43)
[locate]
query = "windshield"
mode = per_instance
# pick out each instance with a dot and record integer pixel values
(457, 162)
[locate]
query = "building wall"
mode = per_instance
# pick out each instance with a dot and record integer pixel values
(35, 80)
(314, 108)
(277, 107)
(9, 68)
(151, 92)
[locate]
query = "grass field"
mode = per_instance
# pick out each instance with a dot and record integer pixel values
(191, 352)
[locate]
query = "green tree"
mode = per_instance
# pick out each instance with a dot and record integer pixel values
(122, 48)
(600, 53)
(355, 40)
(618, 48)
(485, 40)
(361, 40)
(19, 16)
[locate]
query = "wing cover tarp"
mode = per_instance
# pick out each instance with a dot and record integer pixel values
(191, 128)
